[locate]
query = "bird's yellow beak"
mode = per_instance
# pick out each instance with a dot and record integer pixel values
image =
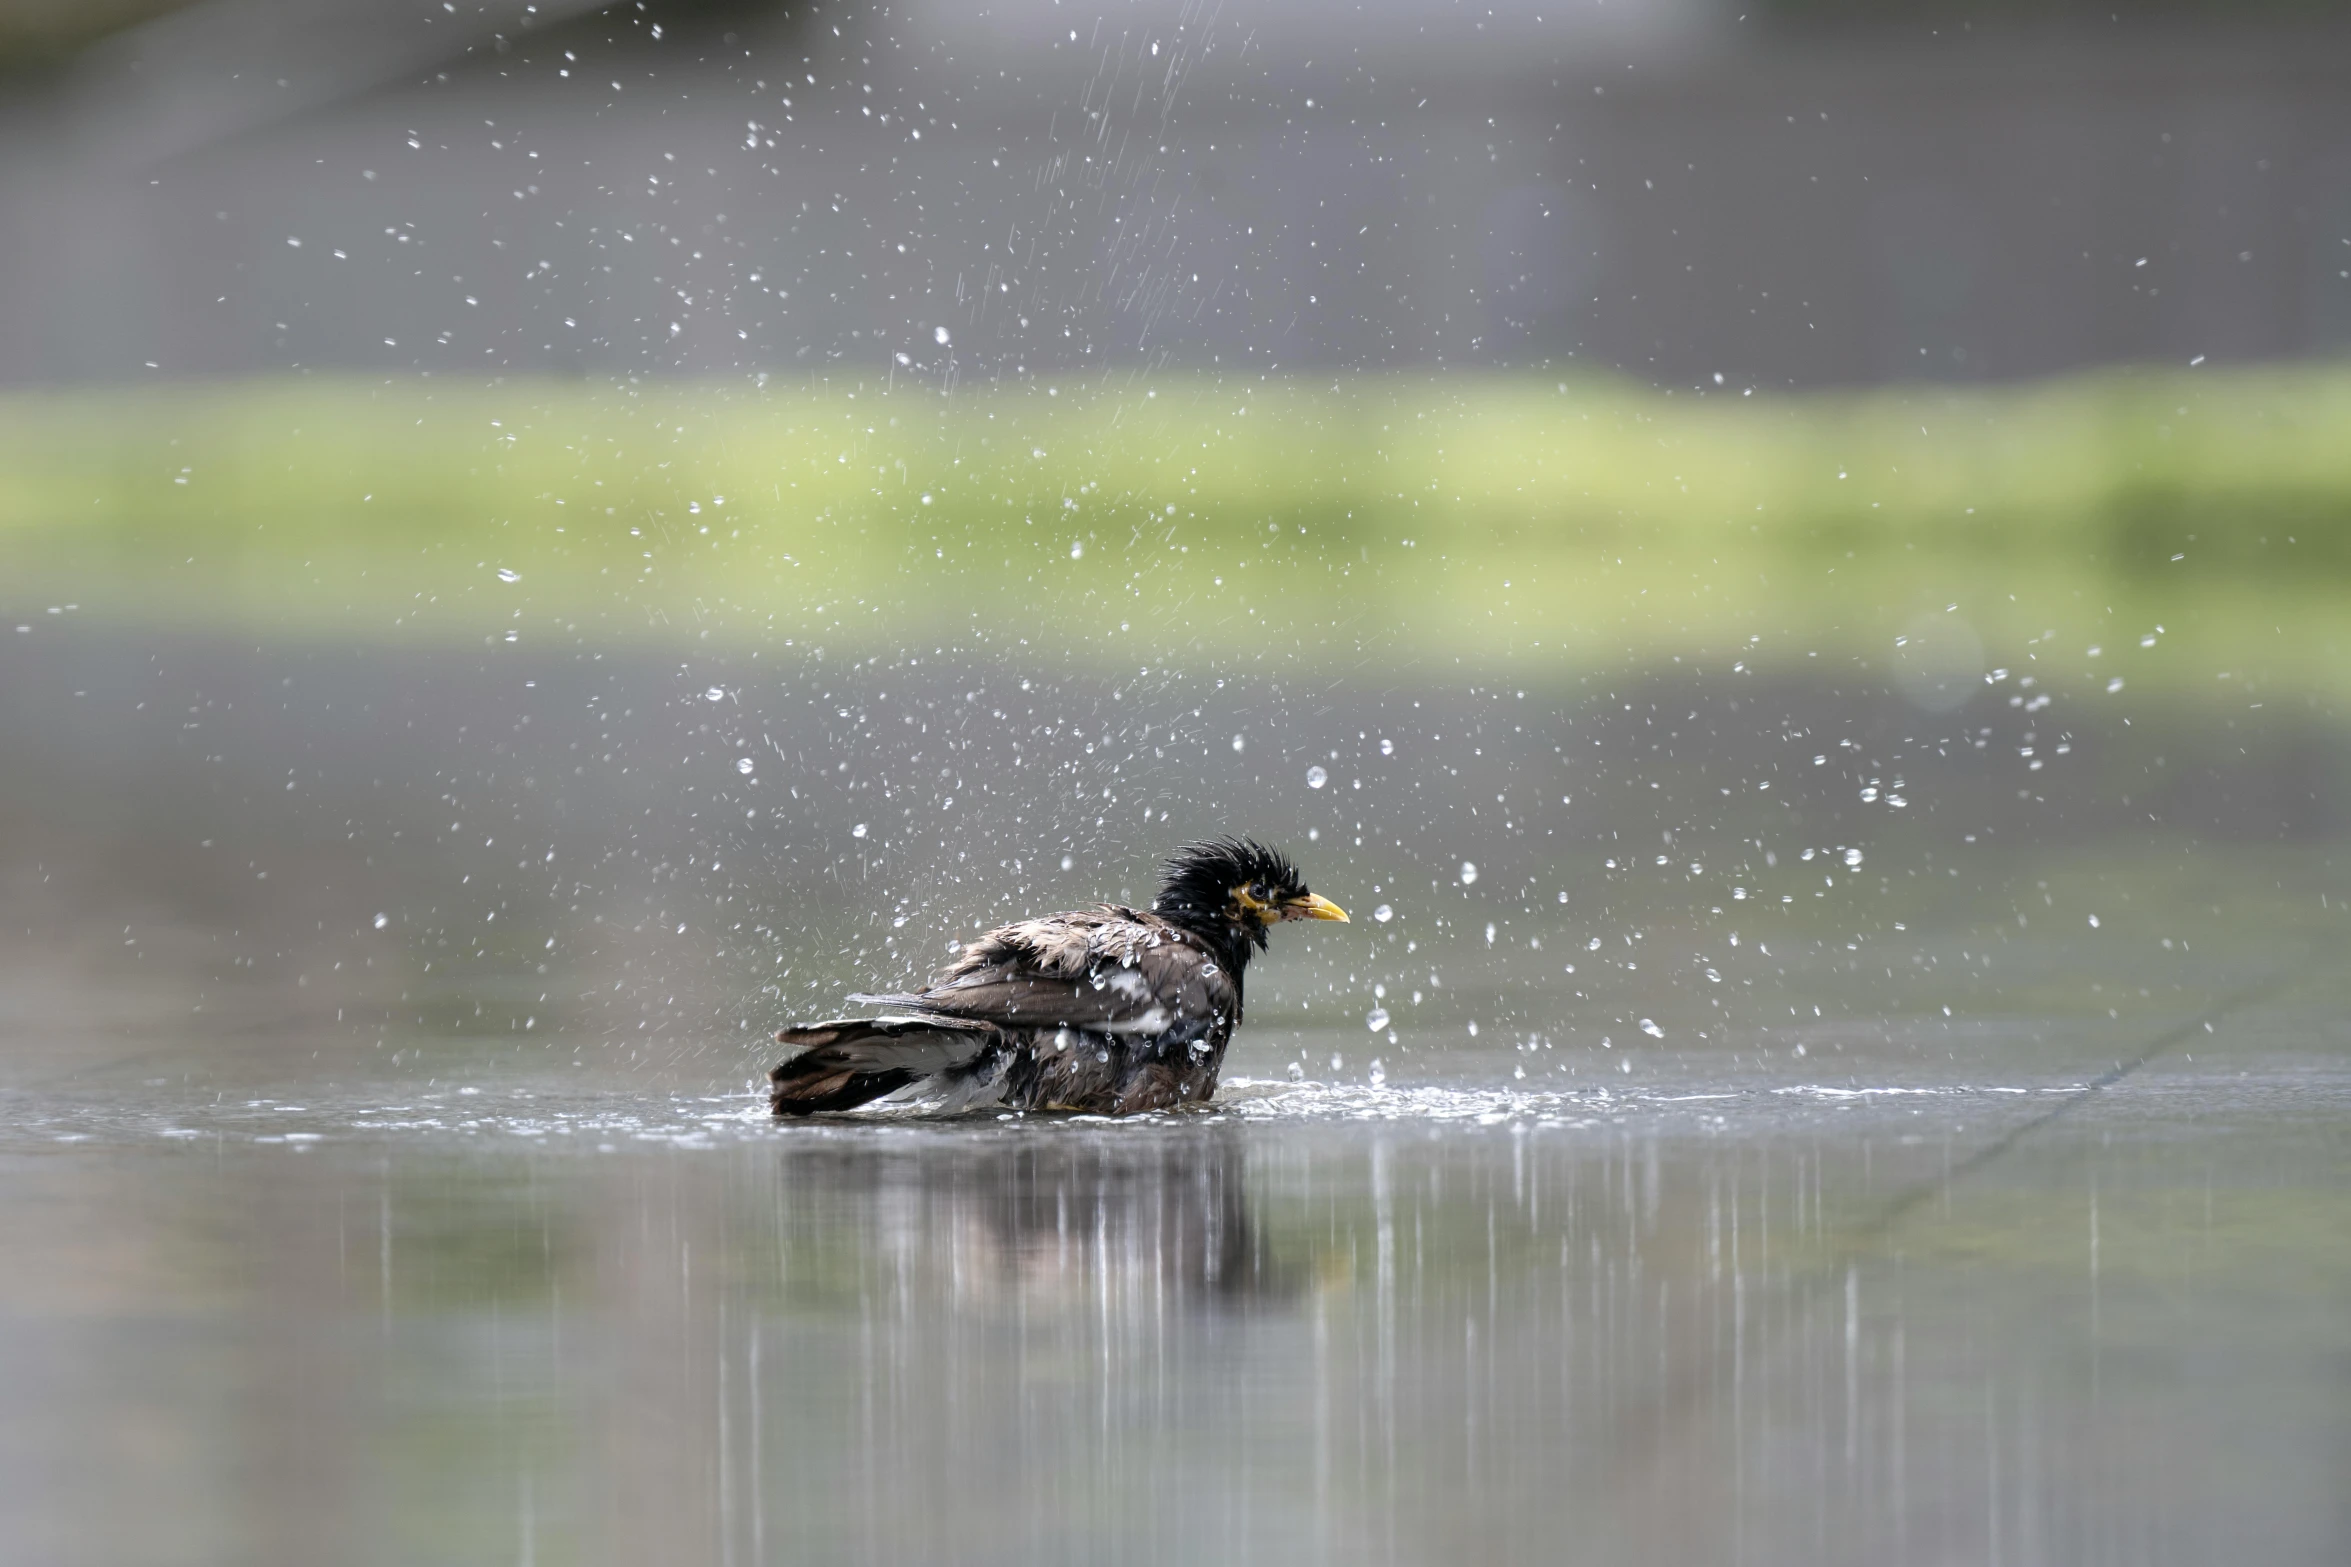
(1313, 907)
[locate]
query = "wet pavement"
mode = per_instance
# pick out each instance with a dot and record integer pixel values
(1736, 1173)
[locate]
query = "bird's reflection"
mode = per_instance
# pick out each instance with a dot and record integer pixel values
(1051, 1217)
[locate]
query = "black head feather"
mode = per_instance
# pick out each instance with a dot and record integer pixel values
(1197, 891)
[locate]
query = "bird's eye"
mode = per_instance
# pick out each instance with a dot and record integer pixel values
(1257, 891)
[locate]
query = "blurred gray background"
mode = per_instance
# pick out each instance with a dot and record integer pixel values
(1874, 1092)
(1782, 192)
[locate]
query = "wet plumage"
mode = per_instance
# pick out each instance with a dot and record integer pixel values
(1110, 1010)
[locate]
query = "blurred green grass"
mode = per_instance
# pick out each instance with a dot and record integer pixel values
(1384, 522)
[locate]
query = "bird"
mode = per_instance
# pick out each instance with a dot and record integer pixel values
(1106, 1011)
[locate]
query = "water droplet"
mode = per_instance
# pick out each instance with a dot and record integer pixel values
(2114, 685)
(1469, 873)
(1387, 748)
(715, 694)
(1077, 549)
(1651, 1029)
(1240, 743)
(857, 831)
(509, 574)
(1376, 1019)
(744, 764)
(1852, 859)
(1067, 862)
(1379, 1072)
(382, 920)
(1316, 778)
(1383, 914)
(939, 336)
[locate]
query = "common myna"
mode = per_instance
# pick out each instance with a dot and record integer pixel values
(1109, 1010)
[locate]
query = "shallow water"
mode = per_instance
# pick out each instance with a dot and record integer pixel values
(523, 1319)
(1938, 1224)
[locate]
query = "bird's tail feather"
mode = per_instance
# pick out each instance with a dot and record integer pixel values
(848, 1062)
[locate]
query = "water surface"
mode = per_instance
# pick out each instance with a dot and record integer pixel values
(1984, 1200)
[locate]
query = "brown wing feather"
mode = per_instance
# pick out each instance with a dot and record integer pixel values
(1109, 968)
(1056, 945)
